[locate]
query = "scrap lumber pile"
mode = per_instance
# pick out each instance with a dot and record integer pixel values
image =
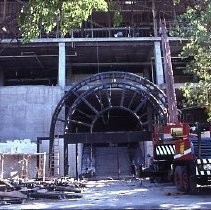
(9, 195)
(57, 188)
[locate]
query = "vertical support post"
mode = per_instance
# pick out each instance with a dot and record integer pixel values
(65, 157)
(44, 165)
(158, 63)
(62, 65)
(38, 150)
(76, 160)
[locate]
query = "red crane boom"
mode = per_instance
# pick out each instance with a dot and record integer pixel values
(169, 77)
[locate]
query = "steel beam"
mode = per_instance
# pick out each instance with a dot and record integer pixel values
(110, 39)
(108, 137)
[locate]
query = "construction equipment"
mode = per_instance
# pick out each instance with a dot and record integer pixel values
(179, 154)
(192, 160)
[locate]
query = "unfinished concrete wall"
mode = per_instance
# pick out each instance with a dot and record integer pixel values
(26, 111)
(72, 159)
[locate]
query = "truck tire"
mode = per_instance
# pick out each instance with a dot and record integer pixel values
(193, 186)
(192, 179)
(185, 181)
(178, 178)
(189, 184)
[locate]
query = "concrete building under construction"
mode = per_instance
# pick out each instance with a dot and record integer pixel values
(90, 98)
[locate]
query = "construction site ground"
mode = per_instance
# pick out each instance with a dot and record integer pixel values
(124, 194)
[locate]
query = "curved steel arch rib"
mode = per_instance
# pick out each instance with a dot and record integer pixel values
(90, 99)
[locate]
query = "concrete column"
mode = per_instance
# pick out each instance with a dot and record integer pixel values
(71, 160)
(158, 63)
(62, 65)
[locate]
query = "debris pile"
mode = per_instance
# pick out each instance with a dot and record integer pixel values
(19, 191)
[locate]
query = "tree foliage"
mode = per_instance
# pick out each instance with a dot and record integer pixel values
(117, 16)
(195, 25)
(48, 15)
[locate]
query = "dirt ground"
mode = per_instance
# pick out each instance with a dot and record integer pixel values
(125, 194)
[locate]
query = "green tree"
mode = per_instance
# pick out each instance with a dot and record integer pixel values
(60, 15)
(195, 25)
(116, 9)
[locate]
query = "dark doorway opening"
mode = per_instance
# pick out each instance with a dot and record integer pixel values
(116, 120)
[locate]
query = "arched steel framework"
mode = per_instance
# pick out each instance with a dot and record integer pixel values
(94, 99)
(91, 98)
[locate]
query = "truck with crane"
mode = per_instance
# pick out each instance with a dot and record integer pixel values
(180, 154)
